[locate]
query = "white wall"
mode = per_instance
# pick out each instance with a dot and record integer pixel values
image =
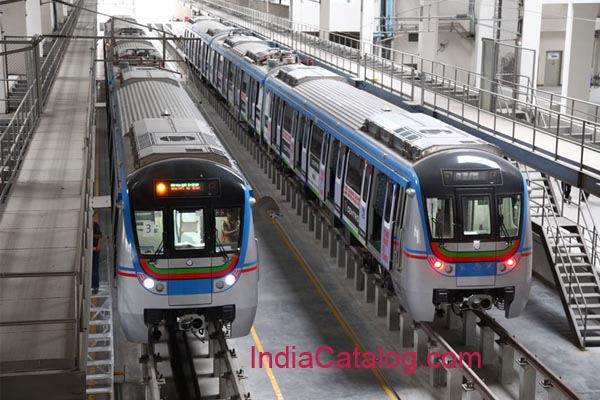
(344, 15)
(305, 12)
(458, 52)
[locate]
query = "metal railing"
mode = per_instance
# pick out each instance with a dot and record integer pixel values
(454, 91)
(39, 76)
(292, 33)
(548, 221)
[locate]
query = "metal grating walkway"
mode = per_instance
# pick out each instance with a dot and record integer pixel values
(45, 243)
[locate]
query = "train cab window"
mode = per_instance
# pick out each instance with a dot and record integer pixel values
(188, 229)
(476, 213)
(440, 213)
(149, 227)
(509, 215)
(228, 226)
(354, 172)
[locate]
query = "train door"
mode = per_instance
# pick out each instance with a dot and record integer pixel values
(298, 143)
(245, 89)
(339, 176)
(258, 107)
(278, 115)
(286, 133)
(190, 250)
(376, 209)
(218, 66)
(387, 225)
(334, 149)
(232, 84)
(314, 158)
(476, 235)
(363, 210)
(397, 239)
(323, 168)
(351, 194)
(266, 131)
(295, 121)
(305, 142)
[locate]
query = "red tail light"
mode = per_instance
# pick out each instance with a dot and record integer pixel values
(512, 262)
(436, 263)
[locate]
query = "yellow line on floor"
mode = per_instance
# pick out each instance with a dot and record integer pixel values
(267, 366)
(332, 307)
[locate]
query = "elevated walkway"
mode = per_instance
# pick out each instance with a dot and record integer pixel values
(46, 238)
(555, 135)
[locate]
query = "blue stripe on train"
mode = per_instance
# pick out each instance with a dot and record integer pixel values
(476, 269)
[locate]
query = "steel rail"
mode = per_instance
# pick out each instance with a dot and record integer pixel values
(182, 365)
(468, 372)
(556, 380)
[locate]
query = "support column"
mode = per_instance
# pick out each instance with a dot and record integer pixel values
(579, 41)
(367, 26)
(428, 29)
(3, 76)
(325, 19)
(47, 18)
(485, 12)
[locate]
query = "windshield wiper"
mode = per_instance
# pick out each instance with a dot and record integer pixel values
(503, 229)
(220, 246)
(440, 230)
(158, 250)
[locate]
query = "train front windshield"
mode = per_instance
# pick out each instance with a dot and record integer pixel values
(474, 216)
(181, 230)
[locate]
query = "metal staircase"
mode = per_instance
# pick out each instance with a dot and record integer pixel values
(100, 361)
(572, 251)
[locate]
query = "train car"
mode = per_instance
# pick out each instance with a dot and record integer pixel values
(442, 213)
(236, 65)
(185, 246)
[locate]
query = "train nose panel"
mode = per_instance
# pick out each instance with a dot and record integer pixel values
(184, 286)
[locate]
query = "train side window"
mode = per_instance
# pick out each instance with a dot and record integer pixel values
(509, 215)
(400, 204)
(376, 207)
(340, 162)
(288, 118)
(188, 229)
(316, 143)
(228, 227)
(149, 228)
(388, 201)
(366, 181)
(274, 118)
(440, 213)
(316, 146)
(354, 172)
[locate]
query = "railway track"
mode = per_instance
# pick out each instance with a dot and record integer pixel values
(508, 369)
(188, 365)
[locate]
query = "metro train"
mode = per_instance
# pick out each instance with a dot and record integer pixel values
(442, 213)
(186, 252)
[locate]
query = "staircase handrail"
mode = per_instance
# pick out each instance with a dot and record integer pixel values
(549, 215)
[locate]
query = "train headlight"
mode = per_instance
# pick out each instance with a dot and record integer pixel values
(148, 283)
(230, 279)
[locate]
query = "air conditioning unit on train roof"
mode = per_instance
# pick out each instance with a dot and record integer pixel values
(155, 139)
(415, 136)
